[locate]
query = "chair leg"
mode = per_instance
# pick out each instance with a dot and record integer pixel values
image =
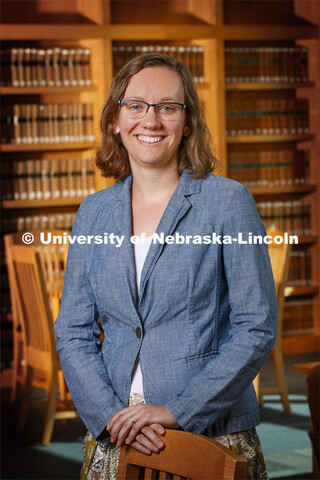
(281, 380)
(62, 386)
(25, 400)
(50, 410)
(18, 371)
(15, 373)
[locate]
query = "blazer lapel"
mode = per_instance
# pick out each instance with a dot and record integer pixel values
(123, 226)
(176, 209)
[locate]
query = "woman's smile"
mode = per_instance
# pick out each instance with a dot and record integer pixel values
(150, 140)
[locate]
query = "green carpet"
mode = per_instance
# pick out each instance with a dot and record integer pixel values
(284, 439)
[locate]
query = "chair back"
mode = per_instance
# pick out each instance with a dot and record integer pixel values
(33, 308)
(185, 456)
(280, 260)
(53, 256)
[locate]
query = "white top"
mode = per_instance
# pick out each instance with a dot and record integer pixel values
(140, 253)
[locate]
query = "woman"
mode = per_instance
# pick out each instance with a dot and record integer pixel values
(188, 323)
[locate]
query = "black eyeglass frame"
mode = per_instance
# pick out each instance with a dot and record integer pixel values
(182, 105)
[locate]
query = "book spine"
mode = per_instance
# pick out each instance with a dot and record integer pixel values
(55, 179)
(64, 178)
(20, 59)
(57, 79)
(27, 67)
(30, 171)
(87, 66)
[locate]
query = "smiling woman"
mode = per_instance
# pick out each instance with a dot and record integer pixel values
(196, 146)
(187, 326)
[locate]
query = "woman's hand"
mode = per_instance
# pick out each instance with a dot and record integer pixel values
(128, 422)
(147, 441)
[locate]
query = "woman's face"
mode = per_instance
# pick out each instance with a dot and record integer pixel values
(152, 85)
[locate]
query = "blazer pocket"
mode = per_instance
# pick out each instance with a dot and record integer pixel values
(203, 356)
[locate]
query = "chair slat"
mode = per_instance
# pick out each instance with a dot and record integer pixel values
(149, 474)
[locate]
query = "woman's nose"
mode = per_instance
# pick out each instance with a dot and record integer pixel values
(151, 118)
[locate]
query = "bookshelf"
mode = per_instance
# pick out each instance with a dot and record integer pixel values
(280, 166)
(47, 168)
(213, 26)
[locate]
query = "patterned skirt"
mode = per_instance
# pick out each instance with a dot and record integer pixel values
(101, 460)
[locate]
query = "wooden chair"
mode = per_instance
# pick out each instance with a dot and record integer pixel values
(53, 260)
(185, 456)
(280, 259)
(40, 346)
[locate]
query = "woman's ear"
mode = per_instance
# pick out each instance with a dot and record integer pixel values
(186, 131)
(116, 130)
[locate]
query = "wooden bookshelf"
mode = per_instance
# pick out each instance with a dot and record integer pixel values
(212, 24)
(273, 143)
(292, 190)
(257, 86)
(299, 344)
(300, 291)
(44, 36)
(55, 202)
(270, 138)
(45, 146)
(46, 90)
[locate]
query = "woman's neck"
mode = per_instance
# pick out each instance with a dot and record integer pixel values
(150, 185)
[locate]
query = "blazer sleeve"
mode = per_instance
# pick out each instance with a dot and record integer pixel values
(77, 334)
(253, 322)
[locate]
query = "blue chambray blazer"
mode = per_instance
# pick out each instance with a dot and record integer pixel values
(207, 312)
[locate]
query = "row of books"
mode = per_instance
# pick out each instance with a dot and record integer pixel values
(292, 216)
(55, 220)
(266, 64)
(300, 269)
(46, 123)
(56, 66)
(45, 179)
(298, 317)
(52, 67)
(268, 116)
(190, 55)
(269, 168)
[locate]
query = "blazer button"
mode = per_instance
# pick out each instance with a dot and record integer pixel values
(138, 332)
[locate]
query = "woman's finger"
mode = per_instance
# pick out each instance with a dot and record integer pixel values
(150, 433)
(141, 448)
(124, 420)
(144, 440)
(124, 431)
(157, 427)
(135, 429)
(124, 412)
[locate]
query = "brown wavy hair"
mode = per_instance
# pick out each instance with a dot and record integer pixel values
(195, 150)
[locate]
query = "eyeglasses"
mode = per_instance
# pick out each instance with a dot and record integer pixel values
(138, 109)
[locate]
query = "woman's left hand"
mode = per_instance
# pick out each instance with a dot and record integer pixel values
(128, 422)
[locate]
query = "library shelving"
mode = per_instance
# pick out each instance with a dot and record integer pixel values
(279, 41)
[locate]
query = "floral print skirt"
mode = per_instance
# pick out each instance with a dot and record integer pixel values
(101, 460)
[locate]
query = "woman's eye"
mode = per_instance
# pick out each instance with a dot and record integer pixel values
(135, 106)
(166, 108)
